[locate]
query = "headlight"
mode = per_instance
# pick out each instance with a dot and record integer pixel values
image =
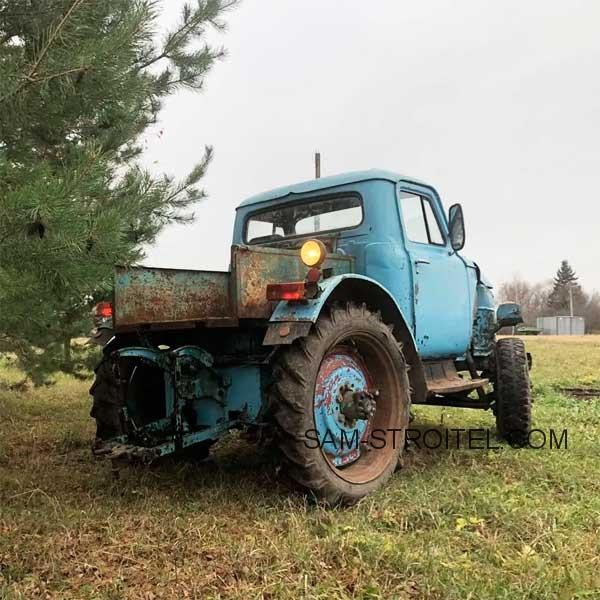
(313, 253)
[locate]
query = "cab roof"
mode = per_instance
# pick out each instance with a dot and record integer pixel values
(324, 183)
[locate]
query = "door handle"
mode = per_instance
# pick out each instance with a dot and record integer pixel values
(422, 262)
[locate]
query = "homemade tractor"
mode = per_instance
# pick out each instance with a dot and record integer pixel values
(347, 301)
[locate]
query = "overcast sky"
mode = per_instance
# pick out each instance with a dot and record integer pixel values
(496, 104)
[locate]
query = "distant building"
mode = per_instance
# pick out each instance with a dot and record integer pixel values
(561, 325)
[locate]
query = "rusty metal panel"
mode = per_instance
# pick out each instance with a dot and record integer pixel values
(443, 378)
(255, 267)
(147, 295)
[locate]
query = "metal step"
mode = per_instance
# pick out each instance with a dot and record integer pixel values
(443, 378)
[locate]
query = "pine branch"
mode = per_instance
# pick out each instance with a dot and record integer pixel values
(189, 23)
(166, 49)
(185, 81)
(82, 69)
(193, 178)
(54, 34)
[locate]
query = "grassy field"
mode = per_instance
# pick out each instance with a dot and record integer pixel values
(453, 524)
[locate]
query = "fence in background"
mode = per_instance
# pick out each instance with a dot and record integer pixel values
(561, 325)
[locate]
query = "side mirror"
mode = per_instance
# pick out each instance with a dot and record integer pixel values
(508, 315)
(456, 227)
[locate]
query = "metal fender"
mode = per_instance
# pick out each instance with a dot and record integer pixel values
(293, 320)
(155, 356)
(310, 310)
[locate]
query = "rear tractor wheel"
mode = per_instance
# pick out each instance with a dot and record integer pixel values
(341, 402)
(106, 404)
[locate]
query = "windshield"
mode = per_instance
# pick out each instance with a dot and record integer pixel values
(316, 216)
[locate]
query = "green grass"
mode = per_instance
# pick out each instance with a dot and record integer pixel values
(453, 524)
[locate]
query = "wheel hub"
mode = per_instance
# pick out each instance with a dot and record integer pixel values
(344, 404)
(356, 405)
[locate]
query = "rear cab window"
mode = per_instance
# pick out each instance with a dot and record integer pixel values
(319, 215)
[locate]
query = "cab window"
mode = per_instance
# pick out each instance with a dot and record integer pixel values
(420, 223)
(289, 220)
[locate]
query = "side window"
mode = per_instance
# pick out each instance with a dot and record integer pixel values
(419, 220)
(414, 219)
(435, 235)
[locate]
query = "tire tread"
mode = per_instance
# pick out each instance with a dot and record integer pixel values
(513, 412)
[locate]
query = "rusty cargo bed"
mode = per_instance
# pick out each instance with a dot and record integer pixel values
(158, 297)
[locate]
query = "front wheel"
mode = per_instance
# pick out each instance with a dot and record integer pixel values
(513, 392)
(341, 402)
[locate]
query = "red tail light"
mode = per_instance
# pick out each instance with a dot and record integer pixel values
(295, 290)
(103, 310)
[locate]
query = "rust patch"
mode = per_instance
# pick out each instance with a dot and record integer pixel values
(145, 295)
(258, 266)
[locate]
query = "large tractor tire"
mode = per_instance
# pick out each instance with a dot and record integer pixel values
(107, 402)
(341, 402)
(513, 392)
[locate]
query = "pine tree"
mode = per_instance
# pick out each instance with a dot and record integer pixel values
(565, 279)
(80, 81)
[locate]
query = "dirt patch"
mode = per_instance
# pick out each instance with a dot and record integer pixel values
(579, 392)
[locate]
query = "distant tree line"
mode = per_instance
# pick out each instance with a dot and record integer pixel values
(553, 298)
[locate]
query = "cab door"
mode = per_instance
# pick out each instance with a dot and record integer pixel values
(441, 301)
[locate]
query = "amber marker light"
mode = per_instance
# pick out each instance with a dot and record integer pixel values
(313, 253)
